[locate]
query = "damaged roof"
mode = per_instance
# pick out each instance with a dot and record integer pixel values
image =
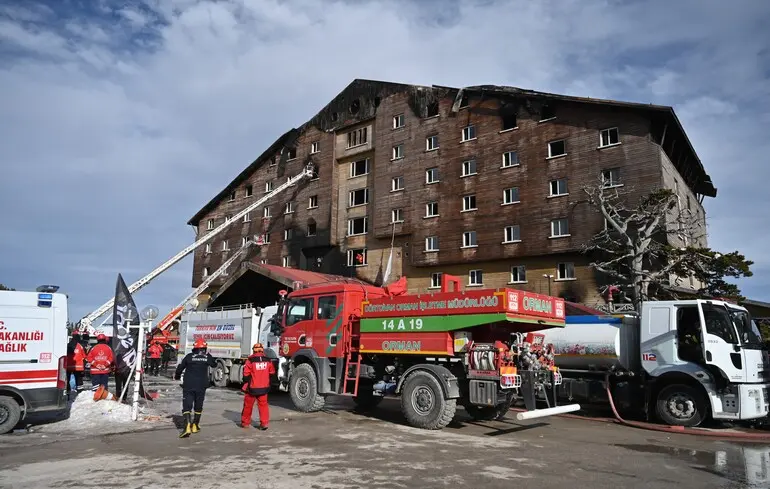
(336, 115)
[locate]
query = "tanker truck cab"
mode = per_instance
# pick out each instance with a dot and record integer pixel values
(704, 358)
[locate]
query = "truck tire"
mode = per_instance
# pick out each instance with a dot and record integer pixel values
(219, 374)
(681, 405)
(423, 402)
(10, 414)
(303, 389)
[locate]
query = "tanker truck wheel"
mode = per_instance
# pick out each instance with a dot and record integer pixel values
(681, 405)
(423, 403)
(303, 389)
(219, 375)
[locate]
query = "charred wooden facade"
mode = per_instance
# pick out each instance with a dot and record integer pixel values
(482, 182)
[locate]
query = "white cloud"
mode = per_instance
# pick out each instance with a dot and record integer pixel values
(119, 123)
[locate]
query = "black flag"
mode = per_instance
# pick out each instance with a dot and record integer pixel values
(124, 340)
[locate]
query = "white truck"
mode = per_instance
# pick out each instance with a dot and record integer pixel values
(33, 354)
(230, 333)
(681, 361)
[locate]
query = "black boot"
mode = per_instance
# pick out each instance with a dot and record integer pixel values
(187, 426)
(196, 422)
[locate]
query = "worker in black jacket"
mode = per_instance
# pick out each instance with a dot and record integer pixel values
(196, 381)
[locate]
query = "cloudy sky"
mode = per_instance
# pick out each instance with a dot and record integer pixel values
(120, 119)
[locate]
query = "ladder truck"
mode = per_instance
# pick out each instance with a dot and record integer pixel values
(86, 323)
(165, 323)
(475, 348)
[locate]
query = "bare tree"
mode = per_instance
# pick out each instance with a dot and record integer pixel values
(645, 246)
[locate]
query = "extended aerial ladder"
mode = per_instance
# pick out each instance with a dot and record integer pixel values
(164, 323)
(85, 324)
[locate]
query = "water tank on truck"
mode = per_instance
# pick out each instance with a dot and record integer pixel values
(230, 333)
(595, 343)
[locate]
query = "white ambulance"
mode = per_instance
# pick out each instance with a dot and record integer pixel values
(33, 353)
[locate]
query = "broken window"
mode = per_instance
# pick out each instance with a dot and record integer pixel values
(358, 225)
(357, 137)
(311, 229)
(291, 153)
(509, 121)
(557, 148)
(249, 190)
(609, 137)
(232, 195)
(358, 197)
(432, 109)
(287, 234)
(358, 168)
(464, 101)
(547, 112)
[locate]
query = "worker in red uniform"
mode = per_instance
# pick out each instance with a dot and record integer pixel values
(155, 351)
(196, 381)
(76, 357)
(102, 362)
(256, 378)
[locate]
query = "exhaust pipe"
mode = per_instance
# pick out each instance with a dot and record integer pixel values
(542, 413)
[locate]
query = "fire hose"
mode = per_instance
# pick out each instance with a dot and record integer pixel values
(732, 435)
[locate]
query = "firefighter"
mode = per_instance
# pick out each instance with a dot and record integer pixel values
(196, 381)
(155, 351)
(256, 385)
(76, 356)
(102, 362)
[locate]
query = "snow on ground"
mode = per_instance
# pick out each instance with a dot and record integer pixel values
(87, 416)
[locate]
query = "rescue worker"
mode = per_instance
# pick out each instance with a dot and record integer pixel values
(102, 362)
(76, 357)
(256, 378)
(155, 351)
(196, 381)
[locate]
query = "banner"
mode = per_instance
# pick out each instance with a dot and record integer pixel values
(124, 341)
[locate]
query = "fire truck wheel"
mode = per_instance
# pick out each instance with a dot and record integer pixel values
(681, 405)
(219, 375)
(423, 403)
(10, 414)
(303, 389)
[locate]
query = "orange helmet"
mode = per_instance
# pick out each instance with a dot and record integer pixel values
(258, 348)
(200, 343)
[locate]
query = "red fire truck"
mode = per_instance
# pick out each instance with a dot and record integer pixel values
(474, 347)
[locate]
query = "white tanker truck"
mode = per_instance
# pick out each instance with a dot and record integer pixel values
(679, 361)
